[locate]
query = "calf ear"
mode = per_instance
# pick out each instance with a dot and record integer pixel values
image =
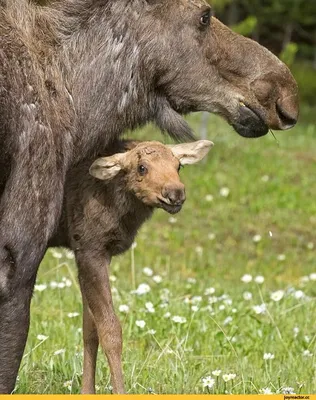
(191, 153)
(106, 168)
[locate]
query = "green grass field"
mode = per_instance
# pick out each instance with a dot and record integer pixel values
(250, 210)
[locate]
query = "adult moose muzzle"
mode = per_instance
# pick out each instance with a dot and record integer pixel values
(219, 71)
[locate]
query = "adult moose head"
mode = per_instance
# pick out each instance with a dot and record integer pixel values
(74, 76)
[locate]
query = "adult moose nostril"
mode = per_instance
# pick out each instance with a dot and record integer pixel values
(287, 111)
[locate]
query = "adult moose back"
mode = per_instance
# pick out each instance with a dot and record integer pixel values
(74, 76)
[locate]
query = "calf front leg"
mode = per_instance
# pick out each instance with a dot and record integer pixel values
(90, 349)
(95, 286)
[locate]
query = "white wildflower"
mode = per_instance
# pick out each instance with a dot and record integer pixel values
(270, 234)
(69, 254)
(247, 278)
(299, 294)
(287, 390)
(234, 310)
(41, 337)
(257, 238)
(151, 332)
(157, 279)
(260, 309)
(143, 288)
(296, 331)
(124, 308)
(310, 245)
(209, 197)
(213, 299)
(112, 278)
(199, 250)
(141, 324)
(259, 279)
(221, 307)
(150, 307)
(68, 385)
(307, 353)
(304, 279)
(173, 220)
(228, 320)
(196, 300)
(224, 192)
(265, 178)
(247, 296)
(277, 296)
(56, 254)
(61, 285)
(148, 271)
(179, 320)
(307, 339)
(191, 280)
(53, 284)
(216, 372)
(68, 283)
(265, 391)
(209, 291)
(195, 308)
(167, 315)
(211, 236)
(228, 302)
(312, 276)
(268, 356)
(60, 351)
(208, 382)
(281, 257)
(134, 245)
(73, 315)
(40, 288)
(228, 377)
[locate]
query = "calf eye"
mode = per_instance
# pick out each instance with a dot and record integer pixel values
(142, 170)
(206, 18)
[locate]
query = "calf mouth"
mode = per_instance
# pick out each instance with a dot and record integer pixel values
(170, 208)
(250, 123)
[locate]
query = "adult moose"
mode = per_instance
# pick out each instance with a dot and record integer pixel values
(74, 76)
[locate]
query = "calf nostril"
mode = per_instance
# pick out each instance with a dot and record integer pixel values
(176, 196)
(288, 116)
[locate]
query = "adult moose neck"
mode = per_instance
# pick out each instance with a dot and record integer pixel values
(110, 78)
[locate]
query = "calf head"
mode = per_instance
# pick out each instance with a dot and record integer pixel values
(151, 171)
(201, 65)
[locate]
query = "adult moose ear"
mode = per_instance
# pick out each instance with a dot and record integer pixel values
(191, 153)
(106, 168)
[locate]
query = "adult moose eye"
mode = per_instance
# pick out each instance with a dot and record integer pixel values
(142, 170)
(206, 18)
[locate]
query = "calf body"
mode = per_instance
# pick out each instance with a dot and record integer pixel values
(100, 219)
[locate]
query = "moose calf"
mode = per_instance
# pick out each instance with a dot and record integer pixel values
(100, 219)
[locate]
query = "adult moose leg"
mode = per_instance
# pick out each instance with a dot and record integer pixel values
(29, 209)
(95, 286)
(90, 348)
